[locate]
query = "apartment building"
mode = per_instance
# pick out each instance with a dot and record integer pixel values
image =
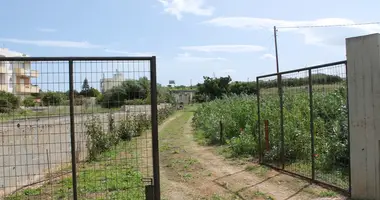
(108, 83)
(15, 76)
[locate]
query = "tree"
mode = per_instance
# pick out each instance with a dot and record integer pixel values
(8, 102)
(85, 86)
(92, 92)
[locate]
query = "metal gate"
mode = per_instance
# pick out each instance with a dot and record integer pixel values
(303, 117)
(77, 128)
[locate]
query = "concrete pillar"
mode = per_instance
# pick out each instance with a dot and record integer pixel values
(363, 73)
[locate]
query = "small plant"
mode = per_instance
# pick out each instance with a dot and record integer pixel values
(142, 123)
(98, 141)
(126, 129)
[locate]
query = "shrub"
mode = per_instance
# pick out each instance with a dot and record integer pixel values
(142, 123)
(8, 102)
(126, 129)
(98, 140)
(53, 98)
(135, 102)
(242, 145)
(29, 102)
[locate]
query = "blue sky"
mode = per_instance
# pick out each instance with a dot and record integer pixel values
(191, 38)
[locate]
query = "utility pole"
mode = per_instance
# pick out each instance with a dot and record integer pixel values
(275, 47)
(282, 155)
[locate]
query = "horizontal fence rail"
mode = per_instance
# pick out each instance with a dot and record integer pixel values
(303, 123)
(77, 127)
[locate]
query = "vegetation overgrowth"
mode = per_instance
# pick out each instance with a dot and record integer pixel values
(239, 116)
(110, 171)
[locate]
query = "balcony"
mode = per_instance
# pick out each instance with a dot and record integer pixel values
(4, 87)
(3, 69)
(26, 72)
(27, 89)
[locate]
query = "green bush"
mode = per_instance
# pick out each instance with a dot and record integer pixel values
(29, 102)
(135, 102)
(99, 141)
(8, 102)
(127, 129)
(53, 98)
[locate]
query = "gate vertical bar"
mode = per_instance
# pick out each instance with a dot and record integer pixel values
(155, 153)
(72, 130)
(311, 125)
(281, 121)
(258, 118)
(348, 129)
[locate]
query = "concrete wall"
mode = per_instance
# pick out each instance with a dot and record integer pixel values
(363, 72)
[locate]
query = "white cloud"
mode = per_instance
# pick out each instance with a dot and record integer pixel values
(180, 7)
(50, 30)
(186, 57)
(268, 56)
(311, 35)
(52, 43)
(224, 48)
(120, 52)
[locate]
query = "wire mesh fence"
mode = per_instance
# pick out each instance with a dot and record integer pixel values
(77, 128)
(303, 120)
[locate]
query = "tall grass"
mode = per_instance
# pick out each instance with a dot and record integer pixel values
(239, 117)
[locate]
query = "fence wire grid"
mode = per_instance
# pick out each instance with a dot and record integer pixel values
(77, 128)
(303, 119)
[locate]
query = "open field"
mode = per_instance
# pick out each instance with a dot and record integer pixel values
(34, 147)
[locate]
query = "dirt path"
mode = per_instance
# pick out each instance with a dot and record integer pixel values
(191, 171)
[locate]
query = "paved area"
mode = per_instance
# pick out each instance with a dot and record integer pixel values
(33, 147)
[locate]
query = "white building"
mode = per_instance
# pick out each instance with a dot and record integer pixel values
(15, 75)
(109, 83)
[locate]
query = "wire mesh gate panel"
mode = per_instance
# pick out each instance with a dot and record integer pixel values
(77, 128)
(303, 119)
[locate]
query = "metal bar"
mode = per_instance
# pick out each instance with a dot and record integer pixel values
(75, 58)
(258, 118)
(266, 122)
(320, 183)
(348, 129)
(282, 122)
(155, 147)
(72, 130)
(311, 126)
(304, 69)
(149, 192)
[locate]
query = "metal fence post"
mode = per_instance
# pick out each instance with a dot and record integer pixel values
(348, 129)
(281, 122)
(258, 118)
(155, 147)
(311, 125)
(72, 130)
(221, 132)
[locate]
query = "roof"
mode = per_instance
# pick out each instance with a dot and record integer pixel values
(4, 52)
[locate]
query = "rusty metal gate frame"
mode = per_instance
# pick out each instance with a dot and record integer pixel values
(154, 122)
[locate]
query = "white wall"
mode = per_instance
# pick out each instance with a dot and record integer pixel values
(363, 72)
